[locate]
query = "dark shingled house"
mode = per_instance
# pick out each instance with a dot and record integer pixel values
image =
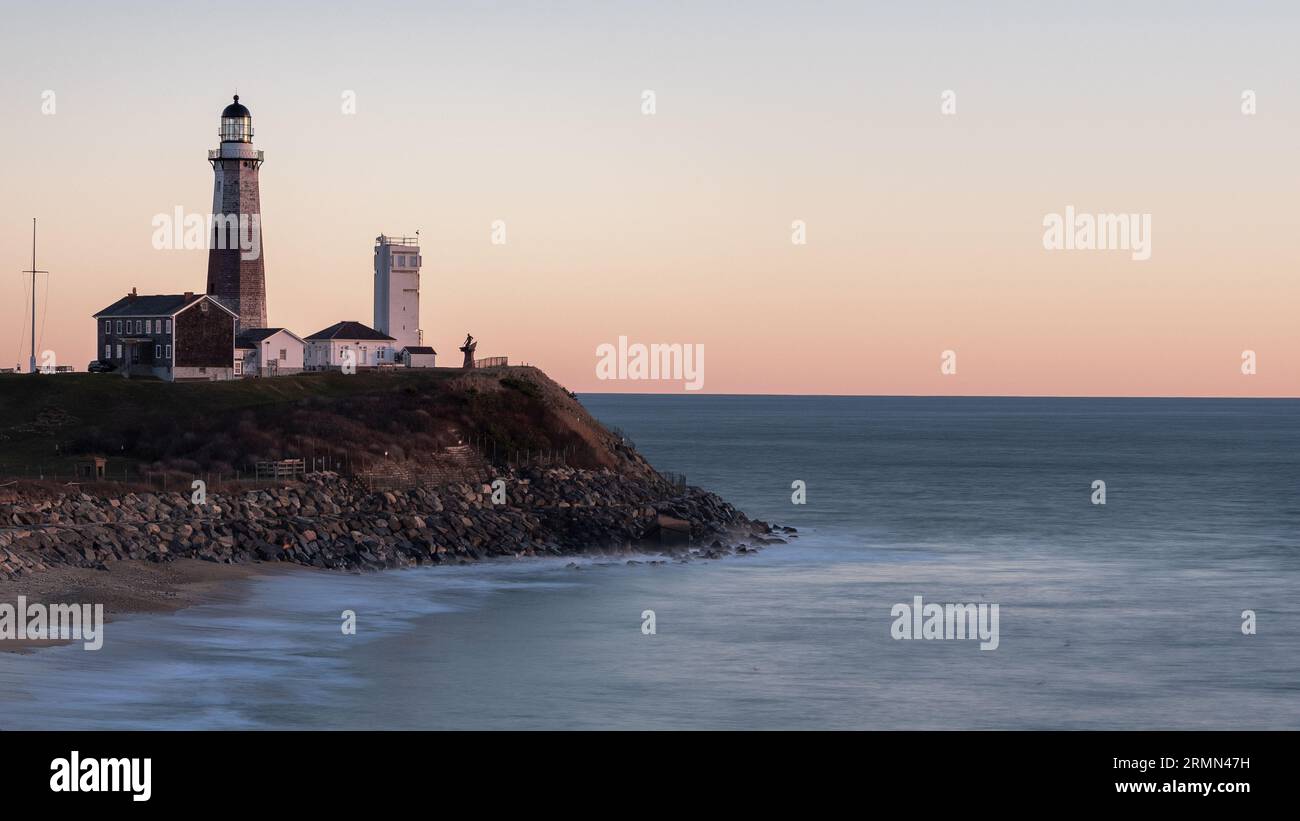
(176, 337)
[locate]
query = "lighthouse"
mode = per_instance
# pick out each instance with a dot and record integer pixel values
(236, 276)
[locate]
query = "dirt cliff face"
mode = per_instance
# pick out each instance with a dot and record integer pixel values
(532, 404)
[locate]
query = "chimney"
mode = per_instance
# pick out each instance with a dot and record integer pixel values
(131, 296)
(189, 295)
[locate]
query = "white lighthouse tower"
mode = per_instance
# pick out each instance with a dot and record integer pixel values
(397, 290)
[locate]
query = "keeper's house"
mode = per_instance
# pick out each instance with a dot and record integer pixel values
(175, 337)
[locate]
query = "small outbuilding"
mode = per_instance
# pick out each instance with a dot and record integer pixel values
(93, 467)
(419, 356)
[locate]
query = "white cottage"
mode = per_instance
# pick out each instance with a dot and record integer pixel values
(331, 348)
(269, 352)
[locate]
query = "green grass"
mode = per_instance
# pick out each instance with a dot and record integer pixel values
(53, 421)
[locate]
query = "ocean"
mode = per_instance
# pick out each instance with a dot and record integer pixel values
(1126, 615)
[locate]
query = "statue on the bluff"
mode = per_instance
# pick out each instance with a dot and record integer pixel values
(468, 349)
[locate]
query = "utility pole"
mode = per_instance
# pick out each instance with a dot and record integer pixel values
(33, 272)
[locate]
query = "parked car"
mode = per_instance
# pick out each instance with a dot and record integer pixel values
(100, 366)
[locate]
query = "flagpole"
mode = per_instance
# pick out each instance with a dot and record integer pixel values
(31, 365)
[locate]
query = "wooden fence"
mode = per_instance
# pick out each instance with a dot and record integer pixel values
(281, 469)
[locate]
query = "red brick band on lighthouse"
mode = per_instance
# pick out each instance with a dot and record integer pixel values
(236, 275)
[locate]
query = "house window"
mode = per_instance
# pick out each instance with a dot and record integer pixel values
(239, 368)
(108, 326)
(108, 351)
(169, 326)
(157, 351)
(169, 351)
(401, 261)
(119, 326)
(119, 350)
(284, 355)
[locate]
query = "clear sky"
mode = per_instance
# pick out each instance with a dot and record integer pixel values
(924, 230)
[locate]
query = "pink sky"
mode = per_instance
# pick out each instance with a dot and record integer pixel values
(924, 230)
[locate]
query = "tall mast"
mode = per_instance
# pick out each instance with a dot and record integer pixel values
(32, 362)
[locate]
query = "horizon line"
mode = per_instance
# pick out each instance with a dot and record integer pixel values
(945, 396)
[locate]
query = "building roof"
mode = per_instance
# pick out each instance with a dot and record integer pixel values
(425, 349)
(152, 304)
(252, 336)
(236, 109)
(350, 330)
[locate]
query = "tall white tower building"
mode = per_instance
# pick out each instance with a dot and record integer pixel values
(397, 290)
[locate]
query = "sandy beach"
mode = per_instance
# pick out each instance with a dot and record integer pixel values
(133, 587)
